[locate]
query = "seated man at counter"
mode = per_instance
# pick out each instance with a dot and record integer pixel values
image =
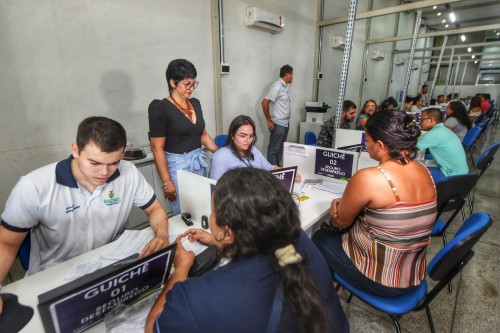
(80, 203)
(444, 146)
(327, 132)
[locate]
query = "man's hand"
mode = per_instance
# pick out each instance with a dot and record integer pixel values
(154, 245)
(270, 125)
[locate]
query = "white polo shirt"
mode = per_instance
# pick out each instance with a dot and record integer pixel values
(65, 219)
(280, 107)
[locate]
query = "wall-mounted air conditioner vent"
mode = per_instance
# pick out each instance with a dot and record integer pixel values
(399, 60)
(338, 42)
(377, 55)
(264, 20)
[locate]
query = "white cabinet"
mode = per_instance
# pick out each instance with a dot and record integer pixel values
(137, 218)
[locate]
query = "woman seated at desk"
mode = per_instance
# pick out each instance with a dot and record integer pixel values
(239, 150)
(388, 212)
(256, 224)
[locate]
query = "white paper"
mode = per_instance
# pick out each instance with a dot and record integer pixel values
(336, 188)
(79, 270)
(130, 242)
(296, 150)
(195, 247)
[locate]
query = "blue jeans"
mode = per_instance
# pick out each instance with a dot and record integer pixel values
(436, 173)
(330, 245)
(193, 161)
(275, 148)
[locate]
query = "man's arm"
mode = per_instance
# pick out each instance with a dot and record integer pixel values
(158, 220)
(265, 108)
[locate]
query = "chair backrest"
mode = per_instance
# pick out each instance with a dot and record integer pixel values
(220, 140)
(310, 138)
(451, 258)
(471, 137)
(484, 161)
(453, 191)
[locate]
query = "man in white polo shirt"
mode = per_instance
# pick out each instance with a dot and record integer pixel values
(276, 108)
(80, 203)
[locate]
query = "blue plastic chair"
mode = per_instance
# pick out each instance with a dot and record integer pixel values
(447, 263)
(470, 139)
(220, 140)
(482, 163)
(310, 138)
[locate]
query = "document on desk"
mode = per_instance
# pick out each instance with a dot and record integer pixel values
(335, 188)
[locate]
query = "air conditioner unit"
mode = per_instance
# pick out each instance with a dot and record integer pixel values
(264, 20)
(338, 42)
(415, 66)
(377, 55)
(425, 68)
(399, 60)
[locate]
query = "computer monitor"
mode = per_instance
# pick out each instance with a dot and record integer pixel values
(286, 176)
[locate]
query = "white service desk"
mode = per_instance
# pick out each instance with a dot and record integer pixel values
(312, 210)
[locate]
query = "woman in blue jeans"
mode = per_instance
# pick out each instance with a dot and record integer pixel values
(177, 130)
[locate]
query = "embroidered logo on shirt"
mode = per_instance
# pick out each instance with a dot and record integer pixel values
(71, 209)
(112, 200)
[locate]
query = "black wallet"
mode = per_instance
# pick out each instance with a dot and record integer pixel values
(205, 261)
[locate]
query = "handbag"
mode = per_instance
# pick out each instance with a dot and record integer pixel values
(205, 261)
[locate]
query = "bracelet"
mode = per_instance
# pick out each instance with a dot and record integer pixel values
(165, 186)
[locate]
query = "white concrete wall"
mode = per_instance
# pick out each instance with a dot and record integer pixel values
(62, 61)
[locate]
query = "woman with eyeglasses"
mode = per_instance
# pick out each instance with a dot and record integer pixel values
(177, 130)
(239, 150)
(369, 108)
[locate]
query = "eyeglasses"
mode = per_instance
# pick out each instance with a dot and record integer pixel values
(245, 136)
(189, 85)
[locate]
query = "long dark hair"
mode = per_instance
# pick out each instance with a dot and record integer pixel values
(233, 128)
(475, 102)
(460, 112)
(398, 130)
(263, 218)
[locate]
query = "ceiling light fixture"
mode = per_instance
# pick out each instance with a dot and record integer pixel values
(434, 7)
(446, 26)
(475, 62)
(469, 49)
(443, 21)
(473, 56)
(452, 17)
(462, 38)
(439, 14)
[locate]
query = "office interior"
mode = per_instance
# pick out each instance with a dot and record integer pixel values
(63, 61)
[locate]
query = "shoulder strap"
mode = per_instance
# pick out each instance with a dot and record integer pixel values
(274, 320)
(386, 175)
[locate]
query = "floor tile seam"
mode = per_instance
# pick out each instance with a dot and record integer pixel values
(459, 284)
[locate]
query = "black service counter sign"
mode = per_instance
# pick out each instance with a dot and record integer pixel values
(334, 164)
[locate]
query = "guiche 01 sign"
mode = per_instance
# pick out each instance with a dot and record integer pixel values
(82, 303)
(333, 164)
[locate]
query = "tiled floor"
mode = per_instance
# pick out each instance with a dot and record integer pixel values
(474, 304)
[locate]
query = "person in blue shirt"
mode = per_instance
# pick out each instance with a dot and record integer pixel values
(255, 224)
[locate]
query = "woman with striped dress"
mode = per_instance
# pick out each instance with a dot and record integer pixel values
(381, 226)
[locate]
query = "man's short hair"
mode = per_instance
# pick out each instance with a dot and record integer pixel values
(107, 134)
(425, 86)
(347, 105)
(287, 69)
(440, 96)
(434, 113)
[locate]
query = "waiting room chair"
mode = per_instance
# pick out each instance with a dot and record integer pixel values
(482, 163)
(220, 140)
(470, 139)
(452, 195)
(445, 265)
(310, 138)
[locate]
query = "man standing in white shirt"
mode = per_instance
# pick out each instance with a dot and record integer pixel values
(276, 108)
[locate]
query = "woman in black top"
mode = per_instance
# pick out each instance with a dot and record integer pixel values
(177, 130)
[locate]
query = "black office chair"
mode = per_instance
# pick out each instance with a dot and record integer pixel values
(445, 265)
(452, 194)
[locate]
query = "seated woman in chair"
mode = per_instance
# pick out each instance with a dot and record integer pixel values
(387, 212)
(239, 150)
(255, 224)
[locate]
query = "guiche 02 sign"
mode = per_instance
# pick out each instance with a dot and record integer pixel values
(333, 164)
(82, 303)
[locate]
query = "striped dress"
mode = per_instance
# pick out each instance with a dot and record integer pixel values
(389, 245)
